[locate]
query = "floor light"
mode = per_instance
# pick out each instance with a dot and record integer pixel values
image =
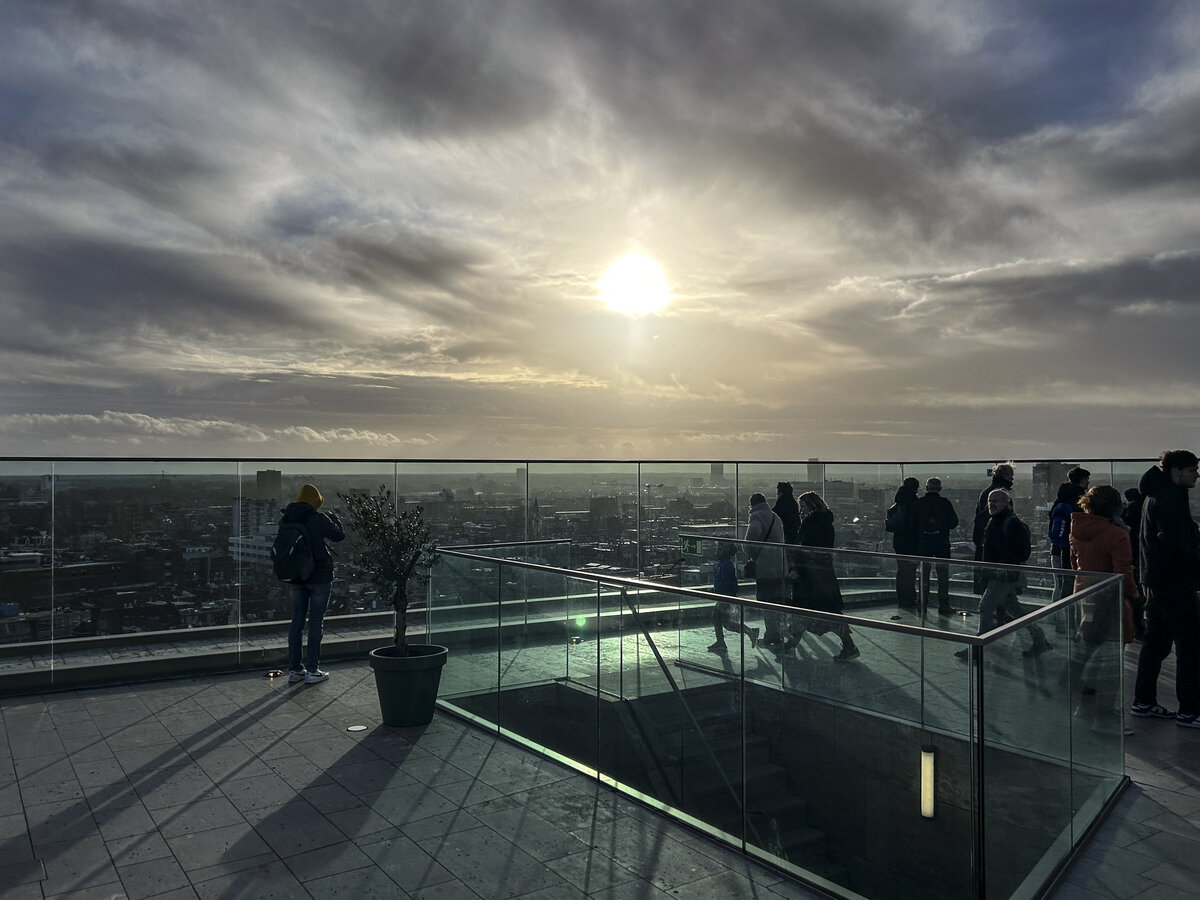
(927, 773)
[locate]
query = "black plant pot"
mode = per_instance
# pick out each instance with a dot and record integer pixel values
(408, 685)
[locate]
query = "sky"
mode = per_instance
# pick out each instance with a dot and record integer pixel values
(937, 229)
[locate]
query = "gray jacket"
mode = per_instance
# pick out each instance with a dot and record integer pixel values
(764, 525)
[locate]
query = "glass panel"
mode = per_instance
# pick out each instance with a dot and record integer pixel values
(1029, 733)
(467, 502)
(593, 504)
(464, 595)
(693, 496)
(26, 572)
(859, 495)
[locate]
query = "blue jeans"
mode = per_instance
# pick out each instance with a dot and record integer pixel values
(311, 601)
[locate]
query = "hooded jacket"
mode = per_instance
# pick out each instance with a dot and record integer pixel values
(1066, 503)
(764, 525)
(319, 527)
(1170, 548)
(1098, 544)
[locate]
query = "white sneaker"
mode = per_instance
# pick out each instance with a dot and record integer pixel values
(293, 677)
(315, 677)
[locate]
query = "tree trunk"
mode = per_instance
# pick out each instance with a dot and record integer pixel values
(400, 605)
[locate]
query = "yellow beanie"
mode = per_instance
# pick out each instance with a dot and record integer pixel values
(310, 495)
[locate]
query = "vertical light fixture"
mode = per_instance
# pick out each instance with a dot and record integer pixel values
(927, 778)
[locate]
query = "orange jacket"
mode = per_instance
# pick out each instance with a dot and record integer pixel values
(1099, 544)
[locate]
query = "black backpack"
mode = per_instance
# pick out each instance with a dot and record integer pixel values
(897, 518)
(291, 554)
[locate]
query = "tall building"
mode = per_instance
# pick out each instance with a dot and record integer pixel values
(268, 484)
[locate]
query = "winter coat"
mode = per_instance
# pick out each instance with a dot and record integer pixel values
(1066, 503)
(981, 511)
(815, 585)
(1170, 547)
(788, 511)
(765, 526)
(908, 538)
(320, 526)
(1099, 544)
(725, 577)
(1133, 518)
(937, 519)
(1005, 540)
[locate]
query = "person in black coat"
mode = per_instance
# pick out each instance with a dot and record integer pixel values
(906, 539)
(937, 519)
(1002, 478)
(1170, 576)
(788, 511)
(814, 582)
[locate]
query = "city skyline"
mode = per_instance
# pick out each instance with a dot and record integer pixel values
(938, 230)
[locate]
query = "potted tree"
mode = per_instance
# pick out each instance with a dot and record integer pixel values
(394, 552)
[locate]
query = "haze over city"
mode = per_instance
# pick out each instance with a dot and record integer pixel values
(936, 230)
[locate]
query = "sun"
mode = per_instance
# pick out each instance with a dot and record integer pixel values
(634, 285)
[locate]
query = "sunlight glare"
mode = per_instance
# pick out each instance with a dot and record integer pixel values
(634, 285)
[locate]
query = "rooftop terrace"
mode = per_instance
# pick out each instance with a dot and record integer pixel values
(239, 785)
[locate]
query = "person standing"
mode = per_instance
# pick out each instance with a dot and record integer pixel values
(1170, 575)
(1002, 479)
(1005, 540)
(1100, 544)
(310, 599)
(1065, 504)
(769, 568)
(1132, 516)
(937, 518)
(904, 521)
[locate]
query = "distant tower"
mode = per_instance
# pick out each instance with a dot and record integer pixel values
(717, 472)
(816, 473)
(269, 484)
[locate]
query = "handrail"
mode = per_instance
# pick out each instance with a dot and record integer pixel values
(978, 640)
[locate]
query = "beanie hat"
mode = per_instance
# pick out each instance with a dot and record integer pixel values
(310, 495)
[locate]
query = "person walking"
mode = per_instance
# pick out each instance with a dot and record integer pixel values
(725, 582)
(937, 518)
(1005, 540)
(1170, 575)
(814, 582)
(310, 598)
(767, 565)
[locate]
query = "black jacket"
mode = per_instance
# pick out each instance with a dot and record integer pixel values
(816, 584)
(981, 511)
(908, 538)
(938, 518)
(1005, 540)
(1170, 548)
(788, 511)
(319, 527)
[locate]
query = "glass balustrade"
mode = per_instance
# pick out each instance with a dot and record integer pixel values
(114, 561)
(815, 764)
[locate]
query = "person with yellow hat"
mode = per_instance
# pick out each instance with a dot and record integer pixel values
(310, 598)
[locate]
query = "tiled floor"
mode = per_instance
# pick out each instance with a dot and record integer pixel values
(240, 786)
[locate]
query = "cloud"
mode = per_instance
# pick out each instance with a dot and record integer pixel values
(367, 232)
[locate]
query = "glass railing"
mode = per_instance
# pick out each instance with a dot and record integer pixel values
(907, 770)
(118, 560)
